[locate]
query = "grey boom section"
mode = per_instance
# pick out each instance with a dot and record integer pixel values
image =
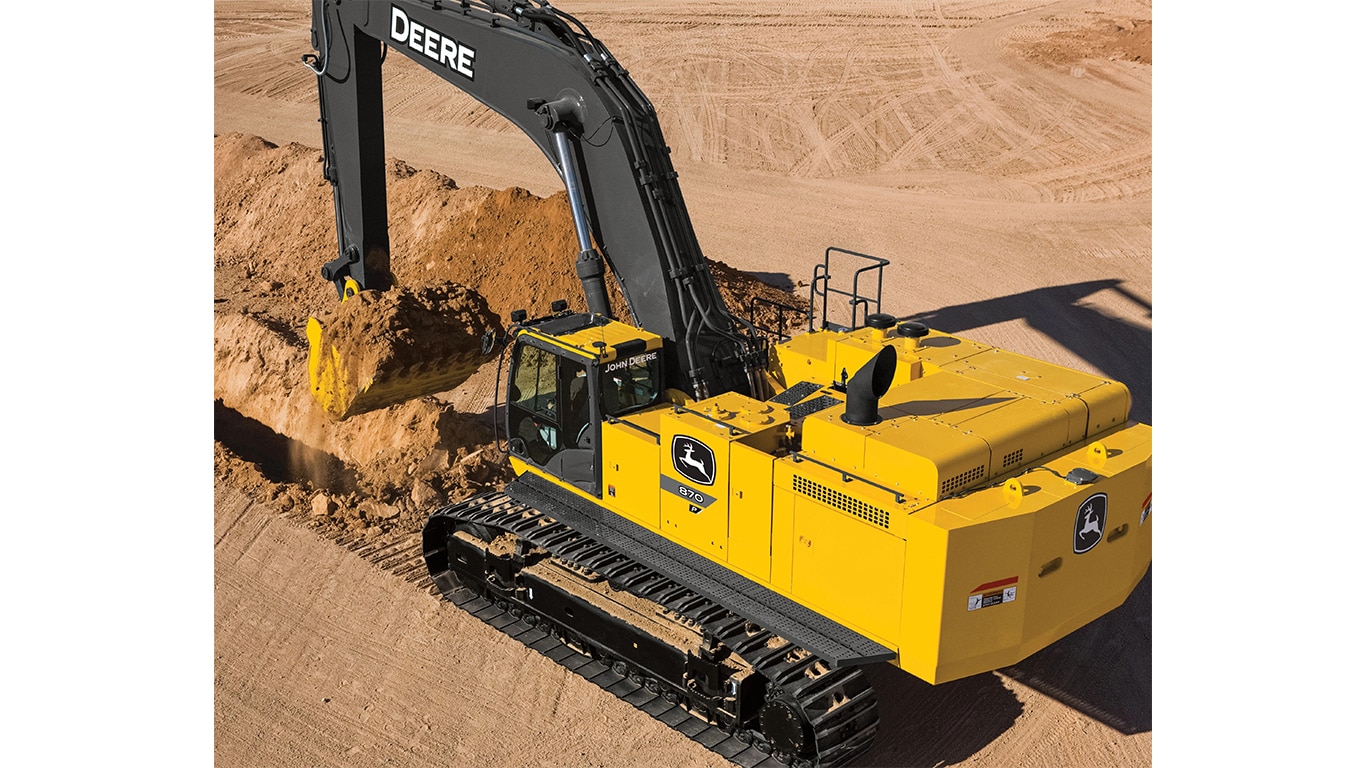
(543, 71)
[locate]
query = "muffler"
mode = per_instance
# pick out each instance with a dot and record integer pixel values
(869, 384)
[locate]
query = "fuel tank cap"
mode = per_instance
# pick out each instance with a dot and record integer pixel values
(881, 321)
(913, 329)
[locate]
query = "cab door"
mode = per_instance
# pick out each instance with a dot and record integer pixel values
(553, 414)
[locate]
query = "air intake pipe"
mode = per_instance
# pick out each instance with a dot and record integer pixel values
(870, 383)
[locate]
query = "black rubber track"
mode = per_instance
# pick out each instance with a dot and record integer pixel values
(838, 702)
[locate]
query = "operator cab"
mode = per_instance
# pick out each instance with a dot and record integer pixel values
(569, 373)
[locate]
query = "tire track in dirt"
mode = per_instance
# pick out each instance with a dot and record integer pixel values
(1100, 137)
(278, 42)
(304, 679)
(782, 109)
(776, 108)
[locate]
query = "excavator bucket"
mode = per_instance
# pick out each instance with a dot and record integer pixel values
(375, 350)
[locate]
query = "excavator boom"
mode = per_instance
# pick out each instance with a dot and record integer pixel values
(540, 69)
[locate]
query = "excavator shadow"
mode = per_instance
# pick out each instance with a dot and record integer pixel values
(281, 459)
(780, 280)
(1116, 348)
(946, 724)
(1103, 671)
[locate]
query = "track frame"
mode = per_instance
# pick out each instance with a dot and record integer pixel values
(719, 678)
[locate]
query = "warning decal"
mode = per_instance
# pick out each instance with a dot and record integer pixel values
(993, 593)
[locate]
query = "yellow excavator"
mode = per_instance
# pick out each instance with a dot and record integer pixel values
(718, 523)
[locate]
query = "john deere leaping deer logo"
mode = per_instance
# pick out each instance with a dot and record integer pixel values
(1090, 523)
(694, 460)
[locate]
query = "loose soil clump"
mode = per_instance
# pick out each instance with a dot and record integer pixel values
(404, 327)
(382, 348)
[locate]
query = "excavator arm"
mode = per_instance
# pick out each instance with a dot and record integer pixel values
(541, 69)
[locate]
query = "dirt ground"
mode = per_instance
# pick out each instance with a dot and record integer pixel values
(997, 151)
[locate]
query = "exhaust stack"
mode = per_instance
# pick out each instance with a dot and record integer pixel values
(868, 384)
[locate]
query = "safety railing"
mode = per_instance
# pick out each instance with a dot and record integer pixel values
(783, 312)
(821, 286)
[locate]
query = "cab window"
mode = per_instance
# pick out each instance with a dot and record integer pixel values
(631, 384)
(532, 403)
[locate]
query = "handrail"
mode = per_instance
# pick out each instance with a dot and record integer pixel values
(783, 309)
(846, 475)
(820, 284)
(618, 420)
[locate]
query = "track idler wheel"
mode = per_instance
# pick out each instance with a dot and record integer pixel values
(787, 728)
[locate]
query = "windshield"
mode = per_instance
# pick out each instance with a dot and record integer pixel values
(630, 384)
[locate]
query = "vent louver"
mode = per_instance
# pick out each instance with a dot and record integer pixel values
(841, 501)
(962, 481)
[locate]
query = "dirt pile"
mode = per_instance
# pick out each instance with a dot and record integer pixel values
(275, 227)
(1097, 36)
(405, 458)
(767, 307)
(516, 249)
(461, 257)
